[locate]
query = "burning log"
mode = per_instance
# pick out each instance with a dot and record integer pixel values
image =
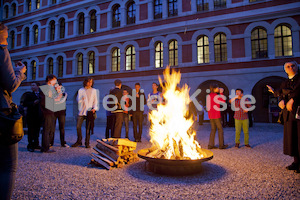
(114, 152)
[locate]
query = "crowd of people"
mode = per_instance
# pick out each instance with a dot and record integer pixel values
(46, 106)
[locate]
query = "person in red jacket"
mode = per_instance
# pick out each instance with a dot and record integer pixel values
(214, 99)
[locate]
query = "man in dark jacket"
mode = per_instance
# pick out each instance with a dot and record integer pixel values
(32, 102)
(10, 80)
(118, 112)
(137, 113)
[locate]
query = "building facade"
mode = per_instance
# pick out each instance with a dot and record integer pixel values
(237, 43)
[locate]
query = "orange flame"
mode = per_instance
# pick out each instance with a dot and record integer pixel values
(171, 131)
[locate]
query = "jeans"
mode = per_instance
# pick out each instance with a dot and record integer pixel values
(8, 169)
(126, 122)
(109, 125)
(61, 124)
(80, 120)
(118, 125)
(48, 132)
(137, 118)
(216, 124)
(238, 128)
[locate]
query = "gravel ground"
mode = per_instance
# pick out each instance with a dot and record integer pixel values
(257, 173)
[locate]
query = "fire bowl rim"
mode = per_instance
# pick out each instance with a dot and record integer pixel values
(142, 152)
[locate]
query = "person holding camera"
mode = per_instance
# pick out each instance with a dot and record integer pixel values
(10, 80)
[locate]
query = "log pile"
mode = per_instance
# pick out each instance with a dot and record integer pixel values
(114, 152)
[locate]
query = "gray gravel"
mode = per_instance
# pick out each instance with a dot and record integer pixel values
(257, 173)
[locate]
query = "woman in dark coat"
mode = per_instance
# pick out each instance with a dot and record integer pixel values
(289, 97)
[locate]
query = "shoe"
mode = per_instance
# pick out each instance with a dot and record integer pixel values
(49, 151)
(224, 146)
(212, 147)
(65, 145)
(38, 147)
(87, 146)
(77, 144)
(237, 145)
(248, 146)
(30, 149)
(293, 166)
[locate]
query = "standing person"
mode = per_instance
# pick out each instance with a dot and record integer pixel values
(118, 112)
(241, 119)
(60, 116)
(154, 98)
(32, 102)
(214, 115)
(10, 80)
(126, 112)
(137, 113)
(87, 99)
(289, 102)
(47, 97)
(201, 113)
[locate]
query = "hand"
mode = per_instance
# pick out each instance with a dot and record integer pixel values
(221, 90)
(21, 67)
(93, 110)
(137, 95)
(270, 89)
(281, 104)
(289, 105)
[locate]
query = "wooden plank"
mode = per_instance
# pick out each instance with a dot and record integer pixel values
(120, 141)
(101, 162)
(108, 146)
(108, 151)
(110, 163)
(105, 155)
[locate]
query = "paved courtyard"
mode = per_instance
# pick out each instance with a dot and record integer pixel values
(257, 173)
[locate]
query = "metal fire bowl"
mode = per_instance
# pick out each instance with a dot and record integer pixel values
(173, 167)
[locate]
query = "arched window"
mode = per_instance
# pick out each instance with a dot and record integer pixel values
(37, 4)
(50, 66)
(202, 5)
(283, 41)
(115, 60)
(91, 62)
(159, 55)
(173, 53)
(26, 36)
(6, 11)
(116, 18)
(79, 64)
(157, 9)
(220, 46)
(219, 4)
(81, 24)
(52, 30)
(93, 21)
(33, 70)
(12, 39)
(203, 49)
(60, 62)
(131, 13)
(130, 58)
(14, 9)
(35, 34)
(62, 29)
(259, 43)
(172, 8)
(28, 4)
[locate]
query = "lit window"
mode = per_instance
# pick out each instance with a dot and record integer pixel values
(115, 60)
(159, 55)
(79, 64)
(33, 70)
(130, 58)
(283, 41)
(91, 62)
(37, 5)
(259, 43)
(220, 46)
(93, 21)
(173, 53)
(203, 49)
(28, 5)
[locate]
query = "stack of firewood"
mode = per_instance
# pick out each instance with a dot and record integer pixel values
(114, 152)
